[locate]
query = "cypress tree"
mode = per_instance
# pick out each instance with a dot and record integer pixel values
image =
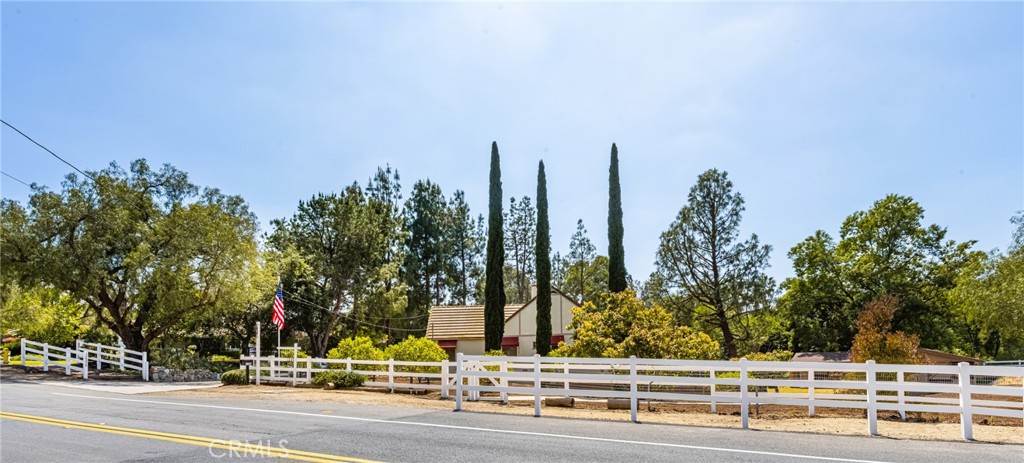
(543, 256)
(616, 253)
(494, 289)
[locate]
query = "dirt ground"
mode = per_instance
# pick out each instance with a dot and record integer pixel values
(928, 426)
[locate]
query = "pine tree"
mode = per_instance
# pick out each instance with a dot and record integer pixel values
(494, 296)
(616, 253)
(543, 255)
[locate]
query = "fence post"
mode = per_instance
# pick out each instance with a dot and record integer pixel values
(503, 368)
(444, 379)
(348, 365)
(810, 392)
(120, 355)
(46, 357)
(295, 362)
(872, 399)
(536, 384)
(565, 371)
(67, 362)
(99, 357)
(899, 395)
(458, 382)
(711, 374)
(391, 375)
(23, 353)
(744, 405)
(966, 414)
(309, 370)
(632, 389)
(85, 367)
(145, 367)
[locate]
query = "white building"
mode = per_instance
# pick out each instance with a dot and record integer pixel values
(461, 328)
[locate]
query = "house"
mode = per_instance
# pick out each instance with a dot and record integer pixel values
(461, 328)
(931, 357)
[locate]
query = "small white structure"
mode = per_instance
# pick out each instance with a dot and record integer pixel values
(461, 328)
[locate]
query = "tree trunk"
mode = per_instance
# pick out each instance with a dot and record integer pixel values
(727, 336)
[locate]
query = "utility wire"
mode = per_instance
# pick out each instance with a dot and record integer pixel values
(297, 298)
(15, 179)
(348, 316)
(47, 150)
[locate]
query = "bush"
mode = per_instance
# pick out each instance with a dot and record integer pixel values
(359, 348)
(340, 379)
(234, 377)
(620, 325)
(415, 349)
(179, 359)
(773, 356)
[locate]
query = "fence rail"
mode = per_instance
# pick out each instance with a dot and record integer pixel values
(961, 389)
(84, 353)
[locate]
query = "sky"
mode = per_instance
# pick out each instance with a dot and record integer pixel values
(816, 110)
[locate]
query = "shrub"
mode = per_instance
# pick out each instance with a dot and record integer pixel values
(875, 339)
(340, 379)
(415, 349)
(234, 377)
(773, 356)
(620, 325)
(359, 348)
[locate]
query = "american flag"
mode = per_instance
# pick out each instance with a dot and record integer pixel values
(278, 318)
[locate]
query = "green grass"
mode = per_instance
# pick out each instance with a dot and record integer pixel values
(16, 360)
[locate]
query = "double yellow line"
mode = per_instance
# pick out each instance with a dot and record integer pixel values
(240, 448)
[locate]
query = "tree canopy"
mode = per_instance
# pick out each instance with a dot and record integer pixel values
(703, 263)
(142, 248)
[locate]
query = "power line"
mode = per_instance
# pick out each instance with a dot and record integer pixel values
(348, 316)
(47, 150)
(15, 179)
(297, 298)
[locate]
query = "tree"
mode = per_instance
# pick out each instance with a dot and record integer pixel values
(989, 301)
(543, 254)
(884, 250)
(616, 252)
(43, 314)
(494, 295)
(716, 277)
(468, 240)
(620, 325)
(875, 339)
(246, 300)
(341, 264)
(429, 249)
(143, 249)
(520, 243)
(582, 254)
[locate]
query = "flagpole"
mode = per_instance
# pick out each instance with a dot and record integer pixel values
(279, 327)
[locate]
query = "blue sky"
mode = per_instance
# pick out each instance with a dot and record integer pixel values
(815, 110)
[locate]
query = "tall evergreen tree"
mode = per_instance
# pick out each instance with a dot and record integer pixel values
(429, 252)
(494, 296)
(616, 253)
(520, 228)
(468, 239)
(543, 255)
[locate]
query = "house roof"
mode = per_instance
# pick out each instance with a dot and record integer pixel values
(461, 322)
(936, 356)
(834, 357)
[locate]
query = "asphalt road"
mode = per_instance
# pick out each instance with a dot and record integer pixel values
(49, 423)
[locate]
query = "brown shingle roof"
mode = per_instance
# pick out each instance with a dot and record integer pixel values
(465, 322)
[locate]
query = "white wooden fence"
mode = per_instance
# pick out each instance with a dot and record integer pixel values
(77, 359)
(64, 358)
(961, 389)
(118, 356)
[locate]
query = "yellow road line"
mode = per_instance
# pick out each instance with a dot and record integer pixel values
(241, 447)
